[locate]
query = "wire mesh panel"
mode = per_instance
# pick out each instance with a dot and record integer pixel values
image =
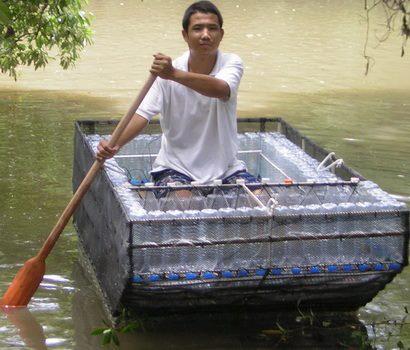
(272, 242)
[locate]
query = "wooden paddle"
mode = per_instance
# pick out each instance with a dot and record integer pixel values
(27, 280)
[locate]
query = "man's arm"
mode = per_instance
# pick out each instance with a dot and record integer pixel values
(202, 83)
(134, 127)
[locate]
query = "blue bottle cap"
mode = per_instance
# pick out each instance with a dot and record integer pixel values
(296, 270)
(395, 266)
(191, 275)
(276, 271)
(173, 277)
(379, 267)
(261, 272)
(137, 279)
(314, 269)
(208, 275)
(154, 278)
(135, 182)
(243, 273)
(347, 268)
(227, 274)
(363, 267)
(332, 268)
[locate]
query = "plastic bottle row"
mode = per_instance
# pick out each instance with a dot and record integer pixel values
(212, 245)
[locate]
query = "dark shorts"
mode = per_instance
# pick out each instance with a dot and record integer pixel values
(164, 177)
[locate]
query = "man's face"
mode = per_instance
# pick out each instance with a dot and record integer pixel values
(204, 33)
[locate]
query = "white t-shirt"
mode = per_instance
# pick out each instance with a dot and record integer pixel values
(199, 132)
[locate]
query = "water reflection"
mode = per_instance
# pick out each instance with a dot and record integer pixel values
(245, 330)
(26, 326)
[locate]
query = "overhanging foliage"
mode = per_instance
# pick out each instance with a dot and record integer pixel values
(34, 32)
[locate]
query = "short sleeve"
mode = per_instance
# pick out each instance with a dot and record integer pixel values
(231, 72)
(151, 105)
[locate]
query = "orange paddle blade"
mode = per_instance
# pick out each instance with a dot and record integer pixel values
(25, 284)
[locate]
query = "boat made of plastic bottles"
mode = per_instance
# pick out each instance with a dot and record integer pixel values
(311, 231)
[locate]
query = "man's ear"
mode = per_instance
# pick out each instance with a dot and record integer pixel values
(222, 33)
(184, 35)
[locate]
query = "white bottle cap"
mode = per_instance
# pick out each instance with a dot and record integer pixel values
(195, 183)
(354, 180)
(265, 180)
(149, 184)
(240, 181)
(217, 182)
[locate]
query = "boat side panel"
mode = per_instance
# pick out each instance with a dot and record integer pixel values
(103, 228)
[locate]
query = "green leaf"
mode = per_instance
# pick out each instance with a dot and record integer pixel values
(283, 330)
(326, 323)
(4, 13)
(115, 339)
(272, 332)
(98, 331)
(107, 337)
(129, 328)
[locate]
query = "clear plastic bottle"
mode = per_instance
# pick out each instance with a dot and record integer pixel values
(344, 226)
(244, 232)
(173, 234)
(229, 231)
(198, 200)
(207, 256)
(290, 195)
(329, 228)
(151, 202)
(312, 248)
(280, 254)
(190, 235)
(152, 258)
(362, 246)
(217, 199)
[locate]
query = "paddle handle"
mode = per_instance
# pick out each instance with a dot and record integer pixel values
(92, 173)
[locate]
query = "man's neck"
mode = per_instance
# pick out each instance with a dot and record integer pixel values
(202, 64)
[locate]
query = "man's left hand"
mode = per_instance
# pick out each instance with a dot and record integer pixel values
(162, 66)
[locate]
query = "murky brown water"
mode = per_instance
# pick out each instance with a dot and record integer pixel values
(303, 61)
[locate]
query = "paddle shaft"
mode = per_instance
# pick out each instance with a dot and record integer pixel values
(92, 173)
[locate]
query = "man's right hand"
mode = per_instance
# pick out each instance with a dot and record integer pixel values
(104, 151)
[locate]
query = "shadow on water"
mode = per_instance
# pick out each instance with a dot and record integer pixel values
(261, 330)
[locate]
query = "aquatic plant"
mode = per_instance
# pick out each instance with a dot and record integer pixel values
(110, 333)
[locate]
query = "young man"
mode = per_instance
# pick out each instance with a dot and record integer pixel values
(195, 96)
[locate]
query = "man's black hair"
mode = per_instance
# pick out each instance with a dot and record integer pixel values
(203, 7)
